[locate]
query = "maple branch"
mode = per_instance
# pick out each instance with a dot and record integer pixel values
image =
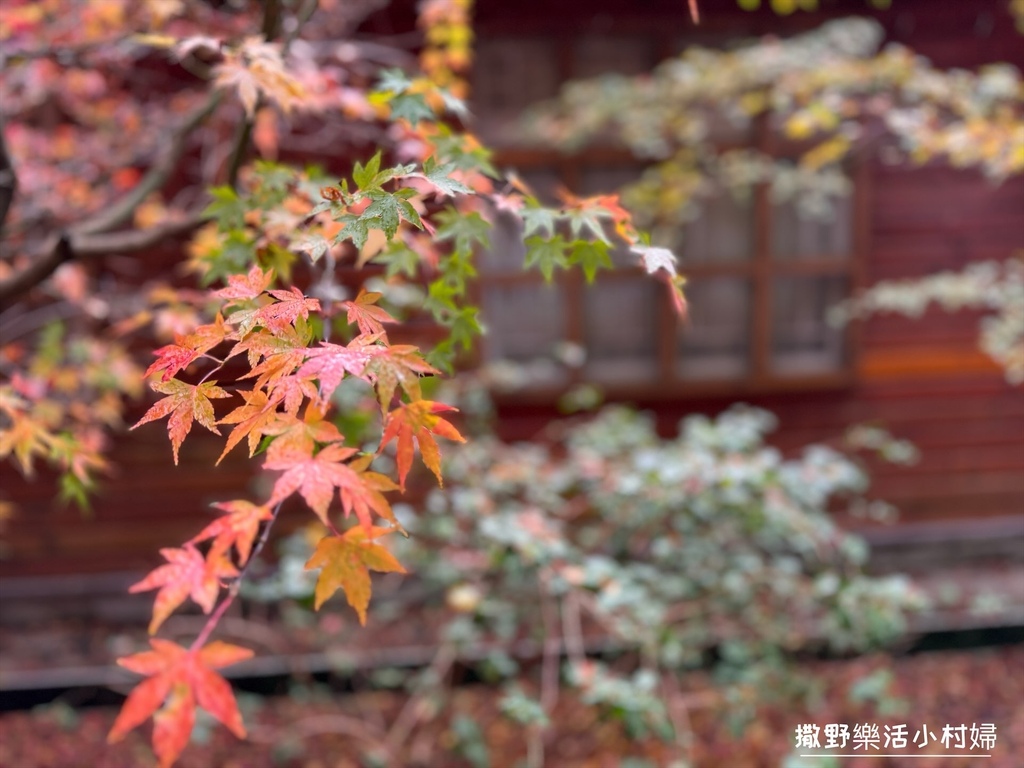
(236, 585)
(270, 28)
(157, 175)
(94, 236)
(572, 627)
(69, 246)
(8, 180)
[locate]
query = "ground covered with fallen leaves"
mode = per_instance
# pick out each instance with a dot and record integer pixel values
(315, 728)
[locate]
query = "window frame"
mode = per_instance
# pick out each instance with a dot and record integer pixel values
(761, 269)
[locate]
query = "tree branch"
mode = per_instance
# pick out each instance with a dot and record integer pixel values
(121, 212)
(68, 246)
(8, 180)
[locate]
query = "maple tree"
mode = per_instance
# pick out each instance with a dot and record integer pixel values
(272, 327)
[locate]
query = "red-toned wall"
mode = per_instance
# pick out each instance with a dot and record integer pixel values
(923, 379)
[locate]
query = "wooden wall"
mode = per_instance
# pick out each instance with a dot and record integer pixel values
(925, 380)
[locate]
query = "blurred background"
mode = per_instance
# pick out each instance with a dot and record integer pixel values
(666, 543)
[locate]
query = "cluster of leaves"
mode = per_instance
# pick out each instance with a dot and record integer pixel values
(58, 408)
(823, 95)
(706, 550)
(414, 213)
(995, 288)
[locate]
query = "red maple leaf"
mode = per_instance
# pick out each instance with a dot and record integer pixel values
(184, 402)
(185, 349)
(178, 679)
(289, 307)
(187, 574)
(419, 420)
(171, 359)
(245, 287)
(366, 315)
(316, 477)
(238, 528)
(331, 362)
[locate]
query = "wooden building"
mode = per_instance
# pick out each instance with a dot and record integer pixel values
(758, 332)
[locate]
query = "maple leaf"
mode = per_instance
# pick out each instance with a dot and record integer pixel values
(316, 477)
(187, 574)
(290, 305)
(251, 418)
(257, 68)
(300, 435)
(178, 679)
(291, 391)
(346, 562)
(245, 287)
(277, 367)
(366, 315)
(401, 364)
(25, 438)
(173, 358)
(184, 402)
(655, 258)
(419, 420)
(330, 362)
(238, 528)
(186, 349)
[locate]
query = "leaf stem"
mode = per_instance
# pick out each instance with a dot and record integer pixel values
(236, 585)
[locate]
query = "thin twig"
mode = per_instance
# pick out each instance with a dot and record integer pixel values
(236, 585)
(572, 627)
(8, 180)
(412, 711)
(679, 714)
(121, 212)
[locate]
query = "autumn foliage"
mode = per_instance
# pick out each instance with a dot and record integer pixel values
(270, 320)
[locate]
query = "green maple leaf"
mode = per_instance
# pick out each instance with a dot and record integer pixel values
(364, 175)
(466, 231)
(537, 220)
(591, 256)
(546, 254)
(411, 107)
(440, 177)
(385, 208)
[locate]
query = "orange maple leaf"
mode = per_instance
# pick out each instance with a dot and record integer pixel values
(346, 562)
(184, 402)
(186, 349)
(251, 419)
(316, 477)
(186, 574)
(366, 315)
(419, 420)
(178, 679)
(398, 365)
(295, 435)
(238, 528)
